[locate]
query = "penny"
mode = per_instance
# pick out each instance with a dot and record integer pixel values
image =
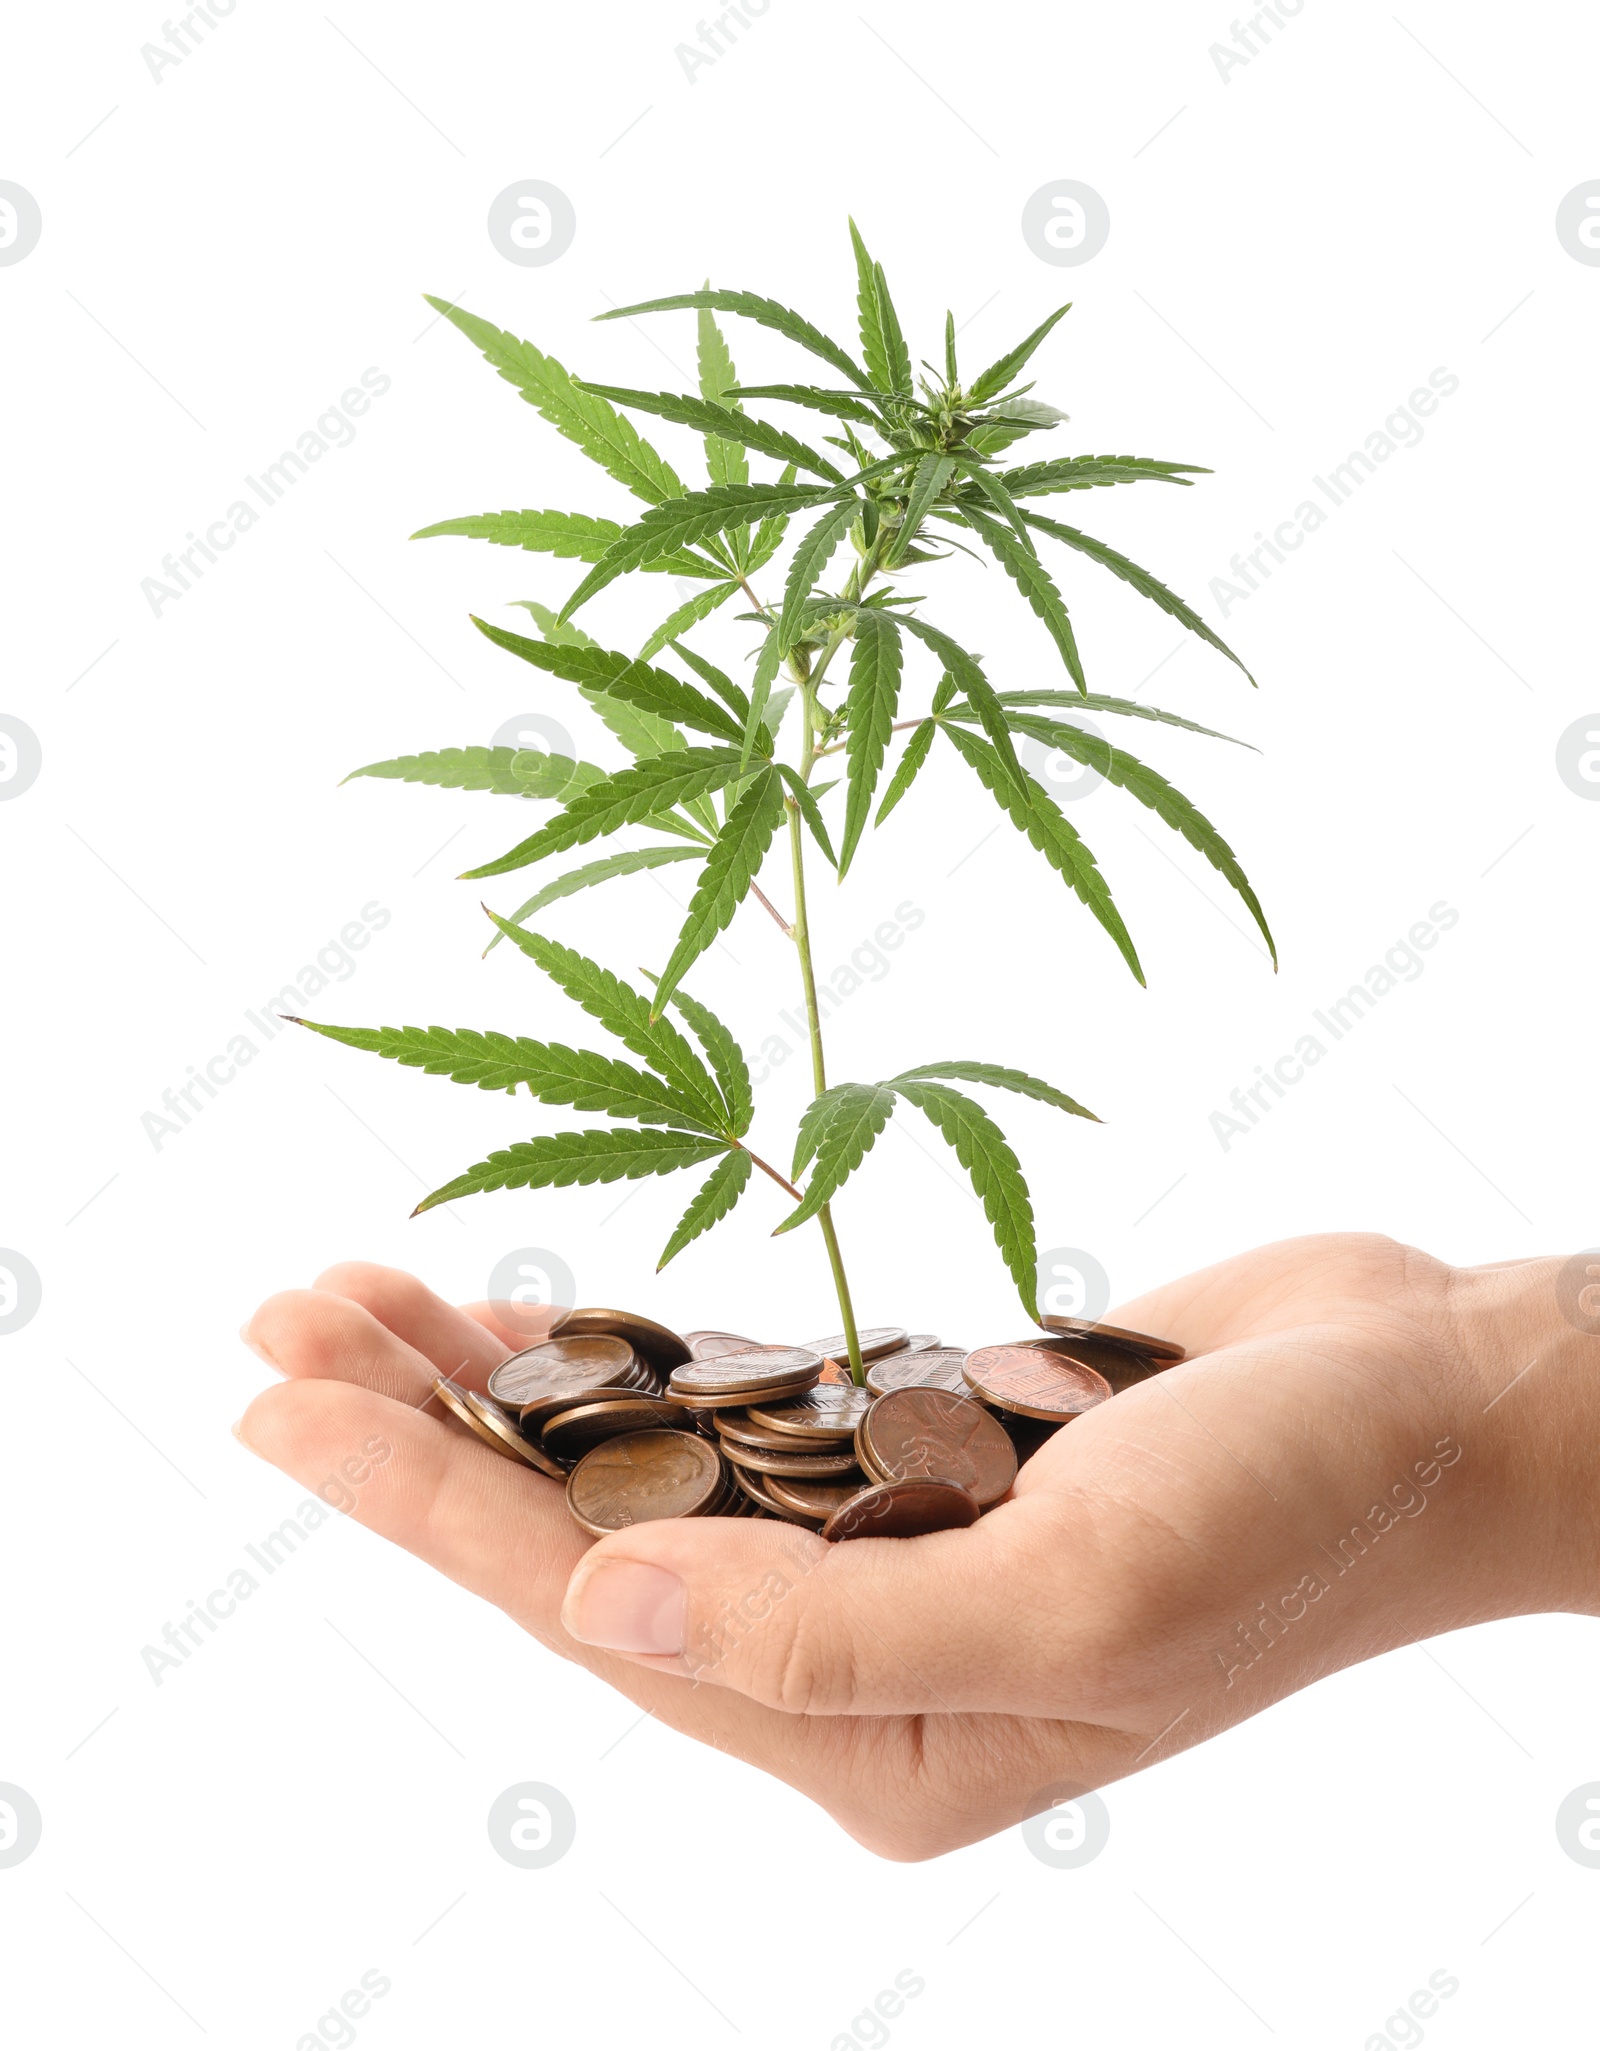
(663, 1349)
(921, 1342)
(1142, 1343)
(818, 1499)
(713, 1345)
(834, 1372)
(642, 1478)
(492, 1428)
(793, 1461)
(756, 1489)
(1123, 1370)
(755, 1372)
(735, 1426)
(902, 1509)
(705, 1408)
(928, 1434)
(822, 1413)
(874, 1342)
(569, 1434)
(936, 1367)
(1035, 1383)
(559, 1365)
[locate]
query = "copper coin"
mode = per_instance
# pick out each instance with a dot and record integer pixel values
(753, 1372)
(1035, 1383)
(834, 1372)
(492, 1428)
(561, 1364)
(646, 1476)
(572, 1433)
(930, 1435)
(652, 1342)
(1142, 1343)
(814, 1499)
(1121, 1369)
(875, 1341)
(705, 1407)
(794, 1460)
(713, 1345)
(921, 1342)
(735, 1425)
(936, 1367)
(830, 1412)
(903, 1509)
(756, 1489)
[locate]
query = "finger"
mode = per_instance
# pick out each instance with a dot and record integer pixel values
(456, 1341)
(975, 1620)
(514, 1326)
(311, 1335)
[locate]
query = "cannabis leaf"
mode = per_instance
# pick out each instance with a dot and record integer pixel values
(870, 710)
(510, 772)
(751, 306)
(738, 853)
(559, 1159)
(716, 1197)
(626, 862)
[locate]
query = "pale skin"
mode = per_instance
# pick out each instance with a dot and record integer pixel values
(929, 1692)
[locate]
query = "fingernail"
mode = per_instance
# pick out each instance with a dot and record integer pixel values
(626, 1606)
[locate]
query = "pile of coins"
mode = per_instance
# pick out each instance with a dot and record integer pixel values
(641, 1423)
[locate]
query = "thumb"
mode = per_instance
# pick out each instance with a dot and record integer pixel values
(981, 1619)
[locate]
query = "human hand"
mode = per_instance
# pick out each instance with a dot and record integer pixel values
(1365, 1448)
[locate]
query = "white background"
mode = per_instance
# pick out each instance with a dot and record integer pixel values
(1292, 251)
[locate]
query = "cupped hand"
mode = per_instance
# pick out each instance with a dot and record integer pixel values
(1365, 1448)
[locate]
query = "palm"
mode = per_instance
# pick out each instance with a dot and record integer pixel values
(1135, 1546)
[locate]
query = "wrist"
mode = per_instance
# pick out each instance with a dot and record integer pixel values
(1529, 1417)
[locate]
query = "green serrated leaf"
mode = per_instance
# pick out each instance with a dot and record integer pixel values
(932, 474)
(557, 534)
(628, 798)
(910, 762)
(840, 1137)
(999, 1078)
(1141, 580)
(688, 519)
(726, 462)
(728, 423)
(598, 429)
(624, 1012)
(689, 614)
(510, 772)
(552, 1073)
(1034, 813)
(811, 557)
(768, 656)
(726, 1056)
(1036, 584)
(1154, 791)
(730, 867)
(996, 1175)
(806, 798)
(559, 1159)
(718, 1194)
(636, 683)
(626, 863)
(870, 709)
(839, 405)
(751, 306)
(1095, 701)
(716, 679)
(1083, 473)
(883, 346)
(1004, 369)
(964, 670)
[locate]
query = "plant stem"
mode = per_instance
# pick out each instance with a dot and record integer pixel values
(801, 935)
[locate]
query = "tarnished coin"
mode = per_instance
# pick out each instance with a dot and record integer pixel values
(830, 1412)
(903, 1509)
(875, 1341)
(930, 1435)
(1122, 1369)
(569, 1434)
(560, 1365)
(756, 1372)
(1148, 1348)
(1034, 1382)
(921, 1342)
(713, 1345)
(644, 1477)
(735, 1425)
(652, 1342)
(794, 1460)
(935, 1367)
(493, 1428)
(813, 1499)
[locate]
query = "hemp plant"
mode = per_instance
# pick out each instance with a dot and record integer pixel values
(918, 463)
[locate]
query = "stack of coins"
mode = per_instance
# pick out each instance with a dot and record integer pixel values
(643, 1424)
